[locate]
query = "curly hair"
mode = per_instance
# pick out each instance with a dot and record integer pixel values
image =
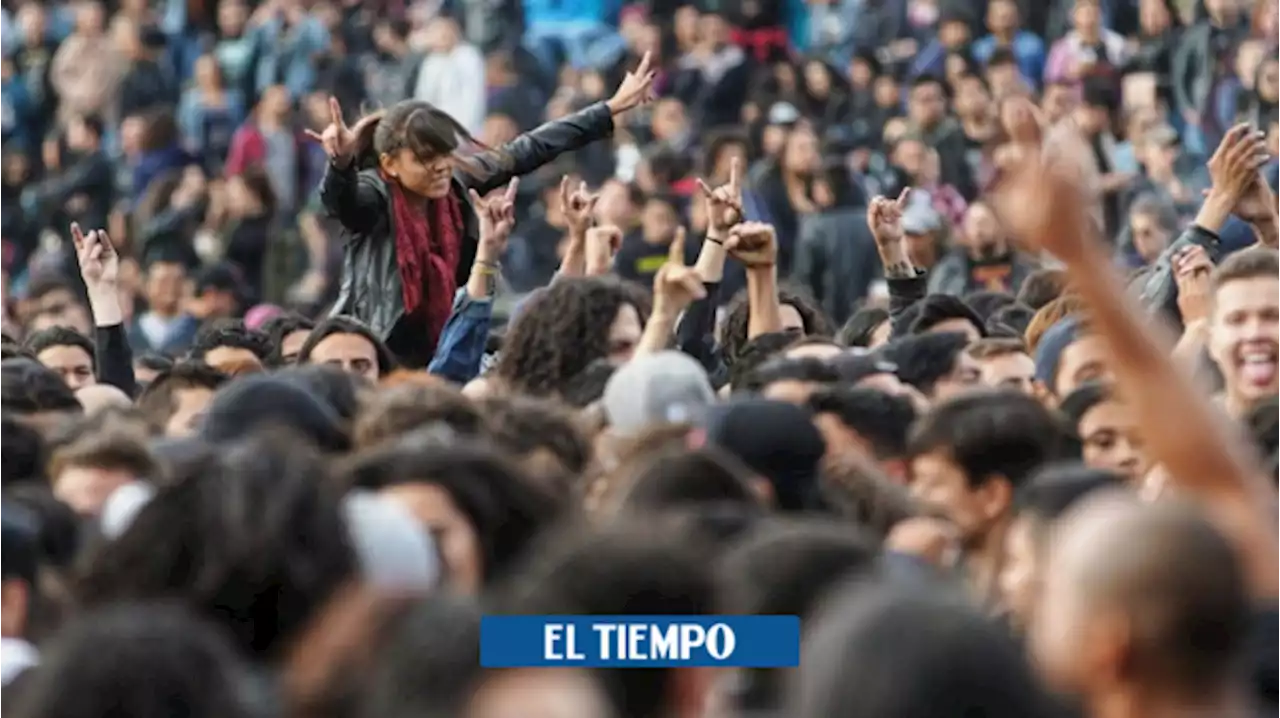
(734, 333)
(562, 330)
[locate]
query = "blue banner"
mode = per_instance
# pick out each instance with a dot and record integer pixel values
(640, 641)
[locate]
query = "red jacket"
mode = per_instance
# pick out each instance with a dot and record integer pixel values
(249, 147)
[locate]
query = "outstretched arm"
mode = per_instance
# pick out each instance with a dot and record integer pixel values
(1201, 449)
(528, 152)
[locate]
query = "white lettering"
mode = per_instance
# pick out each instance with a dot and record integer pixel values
(691, 636)
(636, 635)
(571, 644)
(665, 642)
(721, 641)
(550, 637)
(603, 630)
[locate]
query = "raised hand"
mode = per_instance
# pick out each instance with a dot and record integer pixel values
(339, 140)
(1191, 271)
(1045, 199)
(578, 206)
(755, 244)
(884, 218)
(1234, 165)
(636, 88)
(676, 286)
(602, 244)
(98, 259)
(724, 203)
(497, 215)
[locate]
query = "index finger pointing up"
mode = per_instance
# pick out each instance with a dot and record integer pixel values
(675, 251)
(735, 169)
(643, 69)
(902, 198)
(510, 195)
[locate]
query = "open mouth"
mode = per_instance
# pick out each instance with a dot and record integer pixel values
(1258, 364)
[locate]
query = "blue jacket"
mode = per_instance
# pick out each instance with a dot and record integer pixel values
(460, 349)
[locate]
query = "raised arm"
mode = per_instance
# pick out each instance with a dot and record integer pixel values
(756, 245)
(355, 201)
(537, 147)
(1201, 449)
(100, 269)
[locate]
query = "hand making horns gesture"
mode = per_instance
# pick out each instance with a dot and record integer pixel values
(724, 203)
(339, 140)
(497, 214)
(884, 217)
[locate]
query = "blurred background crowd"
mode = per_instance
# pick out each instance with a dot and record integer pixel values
(178, 125)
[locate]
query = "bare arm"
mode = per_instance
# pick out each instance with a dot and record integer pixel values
(1202, 450)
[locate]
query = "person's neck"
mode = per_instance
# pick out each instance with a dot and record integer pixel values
(1005, 37)
(1090, 37)
(982, 562)
(1134, 702)
(1161, 175)
(166, 314)
(269, 123)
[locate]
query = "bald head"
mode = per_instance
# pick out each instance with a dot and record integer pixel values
(1154, 586)
(97, 397)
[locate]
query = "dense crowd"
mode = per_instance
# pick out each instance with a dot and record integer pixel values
(950, 326)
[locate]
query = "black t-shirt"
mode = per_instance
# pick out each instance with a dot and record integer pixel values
(1264, 660)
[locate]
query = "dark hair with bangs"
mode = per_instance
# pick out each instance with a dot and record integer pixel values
(420, 127)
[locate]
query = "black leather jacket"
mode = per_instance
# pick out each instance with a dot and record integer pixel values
(360, 200)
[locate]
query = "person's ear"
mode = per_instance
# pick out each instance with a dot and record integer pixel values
(995, 497)
(390, 165)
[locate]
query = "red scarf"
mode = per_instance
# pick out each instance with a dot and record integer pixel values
(426, 258)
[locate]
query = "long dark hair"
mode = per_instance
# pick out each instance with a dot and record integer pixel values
(423, 129)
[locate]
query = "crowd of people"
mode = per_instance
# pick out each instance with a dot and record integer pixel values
(950, 326)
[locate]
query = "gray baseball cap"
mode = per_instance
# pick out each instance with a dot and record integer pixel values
(668, 387)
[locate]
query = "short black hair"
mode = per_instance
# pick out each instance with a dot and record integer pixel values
(281, 326)
(859, 328)
(58, 337)
(783, 567)
(630, 566)
(924, 359)
(587, 386)
(1001, 56)
(29, 387)
(58, 527)
(928, 79)
(756, 351)
(230, 333)
(154, 361)
(685, 478)
(876, 641)
(1042, 286)
(935, 309)
(335, 387)
(803, 369)
(990, 434)
(984, 303)
(24, 452)
(142, 660)
(879, 417)
(1055, 488)
(430, 663)
(1010, 321)
(156, 402)
(41, 286)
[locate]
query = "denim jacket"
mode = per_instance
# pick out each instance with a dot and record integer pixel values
(461, 346)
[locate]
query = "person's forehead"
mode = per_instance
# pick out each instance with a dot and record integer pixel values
(1252, 291)
(64, 354)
